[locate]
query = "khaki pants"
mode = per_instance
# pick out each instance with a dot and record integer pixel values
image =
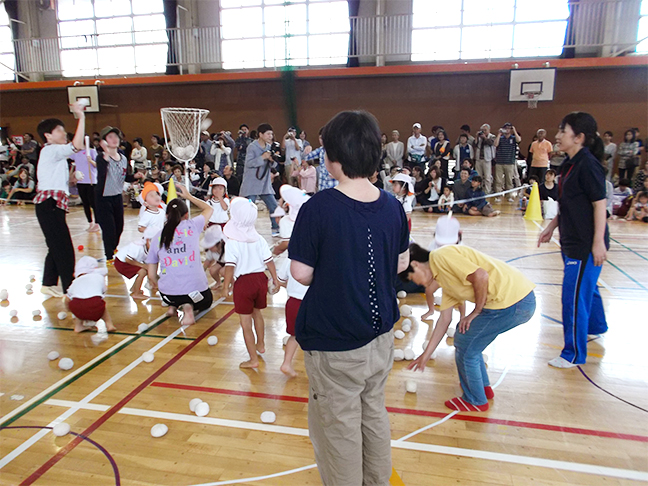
(347, 419)
(484, 169)
(503, 172)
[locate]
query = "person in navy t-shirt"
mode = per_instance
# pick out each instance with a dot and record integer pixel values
(348, 245)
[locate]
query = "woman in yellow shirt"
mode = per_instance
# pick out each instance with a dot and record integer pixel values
(503, 299)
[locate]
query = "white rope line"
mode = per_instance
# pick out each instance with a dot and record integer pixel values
(463, 201)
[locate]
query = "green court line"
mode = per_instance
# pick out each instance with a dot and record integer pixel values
(629, 249)
(626, 274)
(75, 378)
(122, 333)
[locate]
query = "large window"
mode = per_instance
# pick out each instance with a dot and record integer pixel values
(477, 29)
(642, 33)
(111, 37)
(275, 33)
(7, 58)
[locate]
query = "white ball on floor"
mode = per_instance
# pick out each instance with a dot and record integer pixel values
(202, 409)
(399, 355)
(402, 294)
(148, 357)
(451, 331)
(142, 327)
(406, 322)
(36, 313)
(285, 339)
(410, 386)
(52, 355)
(406, 327)
(32, 278)
(212, 340)
(13, 313)
(4, 294)
(158, 430)
(193, 403)
(485, 357)
(406, 310)
(66, 364)
(61, 429)
(268, 417)
(29, 286)
(409, 354)
(399, 334)
(62, 316)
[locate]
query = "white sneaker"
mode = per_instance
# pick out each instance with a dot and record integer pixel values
(561, 363)
(51, 291)
(592, 337)
(510, 199)
(498, 199)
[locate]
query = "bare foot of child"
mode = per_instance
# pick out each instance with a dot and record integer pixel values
(138, 295)
(427, 315)
(172, 312)
(110, 327)
(188, 319)
(79, 327)
(288, 370)
(249, 364)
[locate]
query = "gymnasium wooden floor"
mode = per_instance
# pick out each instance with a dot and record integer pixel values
(545, 426)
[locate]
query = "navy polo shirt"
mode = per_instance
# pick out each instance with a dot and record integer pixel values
(582, 182)
(506, 150)
(331, 235)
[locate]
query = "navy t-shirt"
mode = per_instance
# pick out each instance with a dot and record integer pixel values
(332, 234)
(582, 182)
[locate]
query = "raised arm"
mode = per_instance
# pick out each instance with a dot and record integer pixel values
(78, 141)
(206, 209)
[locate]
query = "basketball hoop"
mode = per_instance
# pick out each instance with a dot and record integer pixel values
(182, 128)
(532, 98)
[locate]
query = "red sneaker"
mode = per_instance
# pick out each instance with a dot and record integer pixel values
(462, 405)
(490, 394)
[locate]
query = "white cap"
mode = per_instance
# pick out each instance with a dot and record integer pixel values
(243, 215)
(219, 181)
(294, 197)
(416, 125)
(446, 231)
(278, 213)
(88, 264)
(213, 235)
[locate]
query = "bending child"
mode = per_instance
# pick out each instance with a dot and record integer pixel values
(130, 260)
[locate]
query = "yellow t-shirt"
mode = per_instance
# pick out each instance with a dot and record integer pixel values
(451, 265)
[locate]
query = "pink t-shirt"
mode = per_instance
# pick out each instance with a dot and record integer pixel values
(308, 179)
(181, 270)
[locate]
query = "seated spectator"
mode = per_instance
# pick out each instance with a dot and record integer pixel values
(639, 178)
(468, 165)
(376, 181)
(387, 180)
(549, 189)
(139, 152)
(421, 183)
(620, 194)
(435, 188)
(233, 182)
(526, 193)
(639, 209)
(460, 189)
(23, 189)
(479, 206)
(446, 201)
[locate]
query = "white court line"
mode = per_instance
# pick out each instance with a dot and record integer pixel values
(414, 446)
(259, 478)
(39, 435)
(554, 240)
(502, 376)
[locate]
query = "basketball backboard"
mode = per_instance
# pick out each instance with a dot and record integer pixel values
(88, 93)
(524, 81)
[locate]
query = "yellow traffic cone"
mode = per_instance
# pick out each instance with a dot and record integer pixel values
(534, 209)
(171, 192)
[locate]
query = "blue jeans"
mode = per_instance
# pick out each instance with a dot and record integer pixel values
(483, 331)
(582, 307)
(271, 204)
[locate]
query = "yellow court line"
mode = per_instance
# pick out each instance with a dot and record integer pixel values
(593, 355)
(395, 479)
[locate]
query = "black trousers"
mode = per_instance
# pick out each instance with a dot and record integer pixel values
(539, 172)
(109, 213)
(87, 195)
(178, 300)
(59, 262)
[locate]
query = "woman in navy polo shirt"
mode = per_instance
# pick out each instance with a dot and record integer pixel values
(584, 234)
(347, 245)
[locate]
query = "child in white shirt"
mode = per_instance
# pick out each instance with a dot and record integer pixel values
(404, 192)
(152, 212)
(219, 202)
(214, 244)
(84, 297)
(130, 260)
(247, 255)
(446, 201)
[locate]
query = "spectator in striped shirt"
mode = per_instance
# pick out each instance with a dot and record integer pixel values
(324, 179)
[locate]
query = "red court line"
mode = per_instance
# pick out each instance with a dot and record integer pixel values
(423, 413)
(115, 408)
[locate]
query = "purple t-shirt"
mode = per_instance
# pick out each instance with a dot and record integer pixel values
(82, 164)
(181, 270)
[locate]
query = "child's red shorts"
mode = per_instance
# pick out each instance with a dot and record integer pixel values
(250, 292)
(292, 308)
(126, 269)
(88, 309)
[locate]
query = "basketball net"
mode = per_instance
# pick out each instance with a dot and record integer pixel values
(532, 99)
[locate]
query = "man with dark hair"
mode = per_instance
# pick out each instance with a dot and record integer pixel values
(348, 245)
(29, 148)
(465, 130)
(505, 163)
(461, 188)
(242, 142)
(256, 174)
(52, 198)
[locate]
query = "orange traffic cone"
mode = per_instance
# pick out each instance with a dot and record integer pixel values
(534, 208)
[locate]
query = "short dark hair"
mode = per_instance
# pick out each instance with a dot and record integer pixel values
(533, 178)
(550, 171)
(465, 169)
(463, 135)
(243, 125)
(477, 179)
(138, 140)
(609, 133)
(264, 127)
(465, 128)
(624, 182)
(48, 126)
(416, 254)
(320, 131)
(352, 138)
(177, 166)
(157, 137)
(641, 194)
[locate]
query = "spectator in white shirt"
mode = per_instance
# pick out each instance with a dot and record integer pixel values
(293, 146)
(416, 146)
(395, 150)
(139, 152)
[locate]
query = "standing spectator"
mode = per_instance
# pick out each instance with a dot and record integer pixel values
(307, 178)
(206, 148)
(156, 148)
(505, 163)
(484, 155)
(416, 146)
(220, 152)
(463, 151)
(324, 178)
(442, 151)
(627, 153)
(109, 204)
(241, 144)
(293, 147)
(233, 182)
(52, 197)
(465, 130)
(256, 176)
(433, 137)
(345, 322)
(556, 158)
(394, 151)
(85, 163)
(305, 144)
(125, 147)
(29, 148)
(610, 153)
(139, 152)
(540, 148)
(584, 236)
